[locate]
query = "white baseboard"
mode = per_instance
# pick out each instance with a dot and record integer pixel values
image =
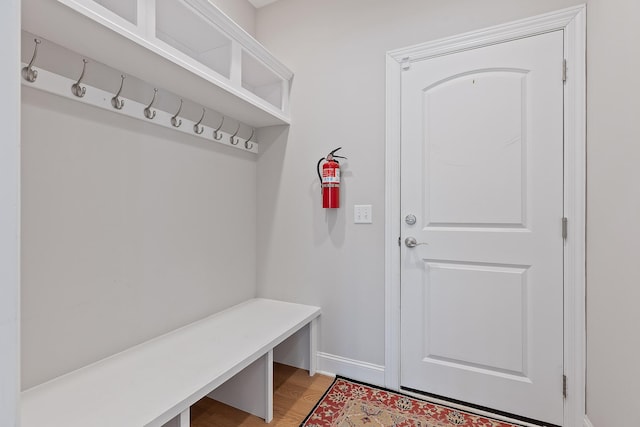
(587, 422)
(332, 365)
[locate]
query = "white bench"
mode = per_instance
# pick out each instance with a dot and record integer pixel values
(156, 382)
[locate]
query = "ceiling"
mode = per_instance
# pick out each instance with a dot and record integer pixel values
(260, 3)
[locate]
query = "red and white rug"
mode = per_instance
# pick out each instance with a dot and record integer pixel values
(348, 403)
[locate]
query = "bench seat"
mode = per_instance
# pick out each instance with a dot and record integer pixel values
(154, 382)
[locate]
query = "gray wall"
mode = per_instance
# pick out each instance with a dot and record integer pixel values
(613, 210)
(9, 213)
(128, 231)
(336, 50)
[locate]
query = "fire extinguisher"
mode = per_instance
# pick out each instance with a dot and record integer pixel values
(330, 180)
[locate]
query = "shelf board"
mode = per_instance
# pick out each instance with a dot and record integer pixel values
(123, 49)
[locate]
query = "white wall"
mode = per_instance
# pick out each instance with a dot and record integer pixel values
(9, 213)
(129, 230)
(241, 11)
(337, 51)
(613, 211)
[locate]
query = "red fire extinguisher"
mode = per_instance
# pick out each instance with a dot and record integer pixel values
(330, 180)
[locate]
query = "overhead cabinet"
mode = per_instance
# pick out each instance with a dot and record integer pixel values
(186, 47)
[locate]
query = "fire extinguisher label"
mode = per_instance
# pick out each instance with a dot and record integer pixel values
(331, 176)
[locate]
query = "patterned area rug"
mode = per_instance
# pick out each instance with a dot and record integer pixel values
(348, 403)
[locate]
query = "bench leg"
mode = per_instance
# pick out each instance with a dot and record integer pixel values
(269, 388)
(313, 346)
(185, 418)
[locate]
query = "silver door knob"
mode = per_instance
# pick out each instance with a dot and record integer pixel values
(410, 219)
(411, 242)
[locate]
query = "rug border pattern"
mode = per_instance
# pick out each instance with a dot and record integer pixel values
(399, 393)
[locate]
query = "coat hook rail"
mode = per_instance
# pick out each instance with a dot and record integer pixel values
(217, 135)
(232, 138)
(175, 121)
(116, 101)
(76, 88)
(148, 112)
(197, 128)
(28, 72)
(59, 85)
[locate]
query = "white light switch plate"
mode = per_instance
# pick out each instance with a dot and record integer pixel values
(362, 214)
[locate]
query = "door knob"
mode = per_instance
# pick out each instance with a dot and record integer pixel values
(411, 242)
(410, 219)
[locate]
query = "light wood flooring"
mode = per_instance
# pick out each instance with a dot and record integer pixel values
(295, 394)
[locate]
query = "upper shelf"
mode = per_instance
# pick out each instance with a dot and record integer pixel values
(188, 47)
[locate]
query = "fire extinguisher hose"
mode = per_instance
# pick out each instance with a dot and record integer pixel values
(318, 168)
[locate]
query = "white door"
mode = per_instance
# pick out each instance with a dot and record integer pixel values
(482, 173)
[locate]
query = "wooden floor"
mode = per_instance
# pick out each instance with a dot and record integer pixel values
(294, 396)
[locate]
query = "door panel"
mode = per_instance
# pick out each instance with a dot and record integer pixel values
(457, 295)
(475, 178)
(482, 170)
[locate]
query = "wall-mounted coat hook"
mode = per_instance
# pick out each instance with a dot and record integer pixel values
(248, 144)
(197, 128)
(148, 112)
(116, 102)
(217, 135)
(28, 73)
(76, 88)
(233, 139)
(175, 121)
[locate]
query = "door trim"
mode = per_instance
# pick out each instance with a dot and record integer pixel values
(573, 22)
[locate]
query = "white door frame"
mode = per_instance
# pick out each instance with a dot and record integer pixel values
(573, 22)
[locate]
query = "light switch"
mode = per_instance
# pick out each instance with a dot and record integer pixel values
(362, 214)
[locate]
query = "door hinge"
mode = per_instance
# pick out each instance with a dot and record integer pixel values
(565, 225)
(564, 386)
(405, 63)
(564, 70)
(399, 240)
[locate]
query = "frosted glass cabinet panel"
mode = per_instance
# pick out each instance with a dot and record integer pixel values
(127, 9)
(261, 81)
(185, 29)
